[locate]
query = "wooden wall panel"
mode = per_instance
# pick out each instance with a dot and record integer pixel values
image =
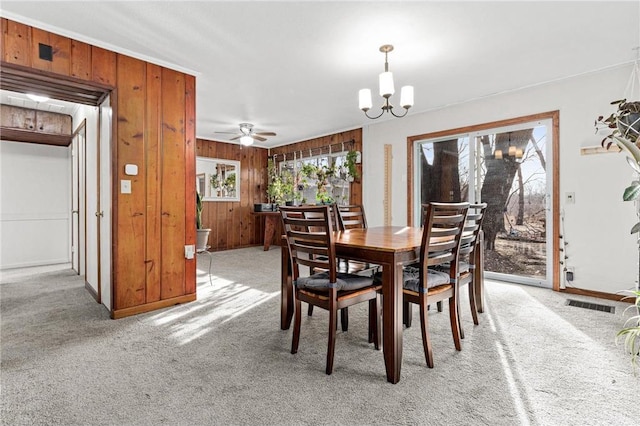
(130, 225)
(4, 27)
(173, 185)
(103, 66)
(80, 60)
(232, 223)
(17, 42)
(61, 47)
(153, 181)
(190, 178)
(154, 128)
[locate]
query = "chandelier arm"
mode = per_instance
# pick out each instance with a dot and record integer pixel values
(406, 110)
(377, 116)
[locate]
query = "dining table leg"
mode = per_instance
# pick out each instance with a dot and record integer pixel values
(392, 320)
(286, 295)
(270, 222)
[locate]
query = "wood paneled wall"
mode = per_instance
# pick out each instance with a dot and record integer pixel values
(324, 141)
(232, 223)
(154, 128)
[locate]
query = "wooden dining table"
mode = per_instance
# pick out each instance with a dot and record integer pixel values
(388, 246)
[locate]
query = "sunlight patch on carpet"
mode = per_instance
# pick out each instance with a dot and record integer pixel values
(215, 306)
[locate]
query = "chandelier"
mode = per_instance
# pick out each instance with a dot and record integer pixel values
(386, 90)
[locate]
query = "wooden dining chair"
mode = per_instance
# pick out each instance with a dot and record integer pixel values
(470, 265)
(443, 226)
(469, 268)
(310, 239)
(348, 217)
(352, 217)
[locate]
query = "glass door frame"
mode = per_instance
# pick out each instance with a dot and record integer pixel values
(553, 208)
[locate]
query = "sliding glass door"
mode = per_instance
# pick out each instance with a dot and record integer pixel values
(506, 167)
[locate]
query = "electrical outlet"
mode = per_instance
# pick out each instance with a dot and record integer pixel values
(570, 197)
(570, 273)
(189, 251)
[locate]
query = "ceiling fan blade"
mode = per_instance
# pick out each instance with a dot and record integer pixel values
(260, 138)
(265, 133)
(237, 137)
(227, 133)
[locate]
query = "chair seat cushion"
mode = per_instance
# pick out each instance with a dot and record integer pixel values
(411, 278)
(463, 267)
(343, 282)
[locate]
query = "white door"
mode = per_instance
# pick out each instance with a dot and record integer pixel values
(91, 194)
(510, 169)
(105, 203)
(75, 204)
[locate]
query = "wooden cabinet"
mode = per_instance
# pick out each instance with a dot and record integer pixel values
(29, 125)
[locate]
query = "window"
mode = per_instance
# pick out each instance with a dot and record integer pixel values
(315, 188)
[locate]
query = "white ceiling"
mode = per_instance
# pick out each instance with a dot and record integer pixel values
(296, 67)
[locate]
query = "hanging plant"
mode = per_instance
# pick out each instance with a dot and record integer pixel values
(625, 122)
(351, 159)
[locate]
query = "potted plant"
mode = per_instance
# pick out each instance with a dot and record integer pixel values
(323, 173)
(215, 184)
(631, 330)
(230, 185)
(202, 236)
(625, 123)
(276, 186)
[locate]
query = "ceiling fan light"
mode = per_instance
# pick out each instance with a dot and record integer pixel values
(246, 140)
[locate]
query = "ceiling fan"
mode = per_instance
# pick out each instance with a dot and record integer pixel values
(247, 135)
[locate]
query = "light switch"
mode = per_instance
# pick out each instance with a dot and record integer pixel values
(130, 169)
(189, 251)
(125, 186)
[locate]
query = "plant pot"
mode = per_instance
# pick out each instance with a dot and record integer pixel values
(629, 126)
(201, 239)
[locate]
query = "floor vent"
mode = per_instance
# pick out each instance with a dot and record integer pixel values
(592, 306)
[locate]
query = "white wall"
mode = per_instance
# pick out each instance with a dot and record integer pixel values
(603, 253)
(35, 204)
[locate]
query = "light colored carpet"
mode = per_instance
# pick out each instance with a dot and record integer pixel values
(224, 360)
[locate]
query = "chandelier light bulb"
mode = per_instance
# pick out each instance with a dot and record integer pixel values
(364, 97)
(406, 97)
(386, 84)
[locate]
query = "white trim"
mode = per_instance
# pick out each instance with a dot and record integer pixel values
(34, 263)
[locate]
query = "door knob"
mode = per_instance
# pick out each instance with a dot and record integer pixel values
(99, 214)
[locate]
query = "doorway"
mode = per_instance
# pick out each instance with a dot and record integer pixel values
(90, 170)
(510, 166)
